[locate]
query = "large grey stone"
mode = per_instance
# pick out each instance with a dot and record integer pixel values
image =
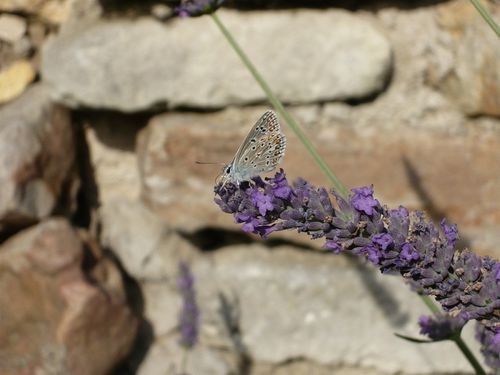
(166, 356)
(283, 306)
(150, 252)
(145, 245)
(111, 142)
(326, 309)
(133, 65)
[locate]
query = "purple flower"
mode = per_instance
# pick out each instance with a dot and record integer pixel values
(280, 187)
(408, 253)
(465, 284)
(373, 254)
(195, 8)
(450, 232)
(262, 201)
(189, 315)
(490, 344)
(440, 328)
(496, 271)
(363, 199)
(383, 240)
(333, 245)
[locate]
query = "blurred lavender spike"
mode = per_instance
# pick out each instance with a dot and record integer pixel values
(196, 8)
(189, 315)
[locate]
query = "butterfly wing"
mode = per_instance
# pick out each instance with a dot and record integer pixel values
(261, 151)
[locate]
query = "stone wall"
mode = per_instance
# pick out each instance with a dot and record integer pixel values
(105, 107)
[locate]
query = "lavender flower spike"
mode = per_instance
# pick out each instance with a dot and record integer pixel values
(196, 8)
(394, 240)
(490, 345)
(439, 328)
(189, 315)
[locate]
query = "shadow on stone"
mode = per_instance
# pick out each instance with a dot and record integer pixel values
(87, 198)
(435, 213)
(145, 332)
(115, 129)
(211, 238)
(325, 4)
(144, 7)
(380, 294)
(229, 312)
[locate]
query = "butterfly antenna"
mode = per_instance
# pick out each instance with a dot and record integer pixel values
(206, 162)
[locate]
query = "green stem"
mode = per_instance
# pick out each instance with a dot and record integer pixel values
(457, 338)
(294, 125)
(487, 16)
(469, 355)
(430, 304)
(184, 361)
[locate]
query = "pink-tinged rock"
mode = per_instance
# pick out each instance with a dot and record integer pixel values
(473, 79)
(63, 308)
(449, 174)
(37, 160)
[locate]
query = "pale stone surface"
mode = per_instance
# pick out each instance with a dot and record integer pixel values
(12, 28)
(150, 251)
(293, 310)
(326, 309)
(146, 246)
(166, 355)
(14, 80)
(52, 11)
(452, 56)
(279, 305)
(37, 159)
(447, 172)
(113, 160)
(53, 318)
(162, 302)
(190, 64)
(472, 79)
(302, 367)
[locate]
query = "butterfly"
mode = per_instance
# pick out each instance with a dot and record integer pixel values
(261, 151)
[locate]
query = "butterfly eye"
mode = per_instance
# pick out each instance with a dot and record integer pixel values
(228, 169)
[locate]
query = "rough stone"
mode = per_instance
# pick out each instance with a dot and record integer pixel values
(14, 80)
(112, 156)
(190, 64)
(166, 354)
(52, 11)
(12, 28)
(447, 171)
(57, 310)
(37, 158)
(473, 78)
(324, 308)
(146, 246)
(286, 310)
(150, 252)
